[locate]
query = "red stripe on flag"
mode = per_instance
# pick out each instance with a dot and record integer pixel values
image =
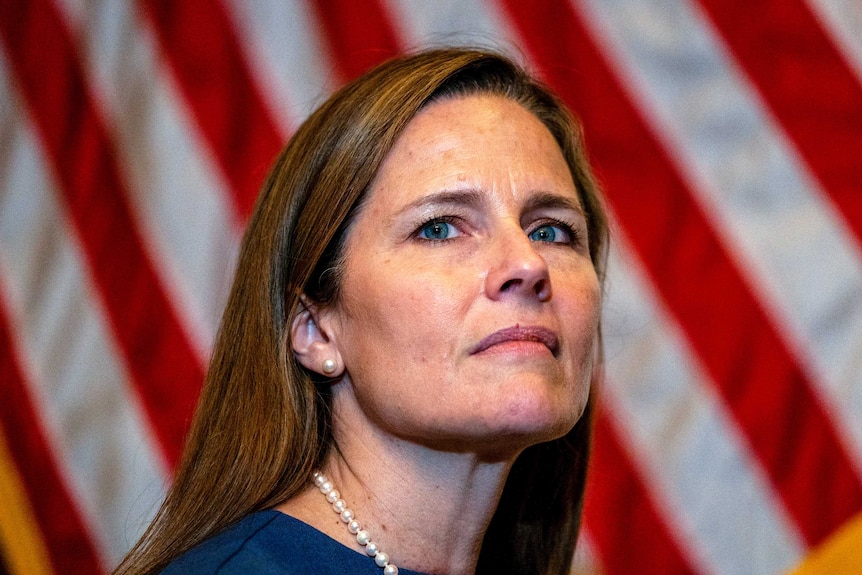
(807, 84)
(163, 366)
(204, 53)
(769, 397)
(359, 34)
(616, 490)
(64, 533)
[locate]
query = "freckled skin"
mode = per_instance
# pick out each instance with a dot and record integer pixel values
(413, 309)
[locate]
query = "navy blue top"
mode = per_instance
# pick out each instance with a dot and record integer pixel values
(272, 543)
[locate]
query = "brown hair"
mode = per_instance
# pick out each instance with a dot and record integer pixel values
(262, 423)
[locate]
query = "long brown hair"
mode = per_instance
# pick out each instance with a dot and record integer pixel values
(262, 423)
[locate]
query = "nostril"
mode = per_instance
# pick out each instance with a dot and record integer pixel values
(507, 285)
(543, 289)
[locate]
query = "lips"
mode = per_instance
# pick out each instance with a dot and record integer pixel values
(518, 333)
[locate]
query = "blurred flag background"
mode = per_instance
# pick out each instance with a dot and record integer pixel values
(728, 137)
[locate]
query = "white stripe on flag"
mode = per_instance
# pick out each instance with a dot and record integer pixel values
(92, 419)
(287, 56)
(842, 19)
(181, 204)
(450, 22)
(682, 438)
(753, 185)
(585, 561)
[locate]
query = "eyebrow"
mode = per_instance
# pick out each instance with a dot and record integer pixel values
(469, 198)
(549, 200)
(473, 198)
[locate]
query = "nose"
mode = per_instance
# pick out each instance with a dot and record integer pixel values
(517, 269)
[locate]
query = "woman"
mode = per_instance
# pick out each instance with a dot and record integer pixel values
(416, 315)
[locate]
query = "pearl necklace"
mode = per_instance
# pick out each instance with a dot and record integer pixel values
(347, 517)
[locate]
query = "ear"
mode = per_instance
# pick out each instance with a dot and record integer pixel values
(312, 342)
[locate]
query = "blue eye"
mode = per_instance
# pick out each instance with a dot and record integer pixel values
(549, 233)
(437, 230)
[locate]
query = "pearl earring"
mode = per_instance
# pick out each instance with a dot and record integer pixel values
(328, 366)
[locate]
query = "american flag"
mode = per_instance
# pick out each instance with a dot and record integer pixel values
(727, 135)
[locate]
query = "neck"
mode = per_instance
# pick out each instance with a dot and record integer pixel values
(427, 509)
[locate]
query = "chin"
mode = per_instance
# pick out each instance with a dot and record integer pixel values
(527, 424)
(539, 429)
(499, 436)
(517, 414)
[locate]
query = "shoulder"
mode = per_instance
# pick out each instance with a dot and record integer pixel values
(242, 542)
(271, 543)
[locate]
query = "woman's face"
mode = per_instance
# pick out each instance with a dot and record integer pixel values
(469, 304)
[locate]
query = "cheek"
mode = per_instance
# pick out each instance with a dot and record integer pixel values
(583, 303)
(404, 314)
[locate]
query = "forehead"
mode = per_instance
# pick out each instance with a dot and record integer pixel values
(483, 140)
(460, 121)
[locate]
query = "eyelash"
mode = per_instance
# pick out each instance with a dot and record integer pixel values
(451, 220)
(569, 229)
(574, 234)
